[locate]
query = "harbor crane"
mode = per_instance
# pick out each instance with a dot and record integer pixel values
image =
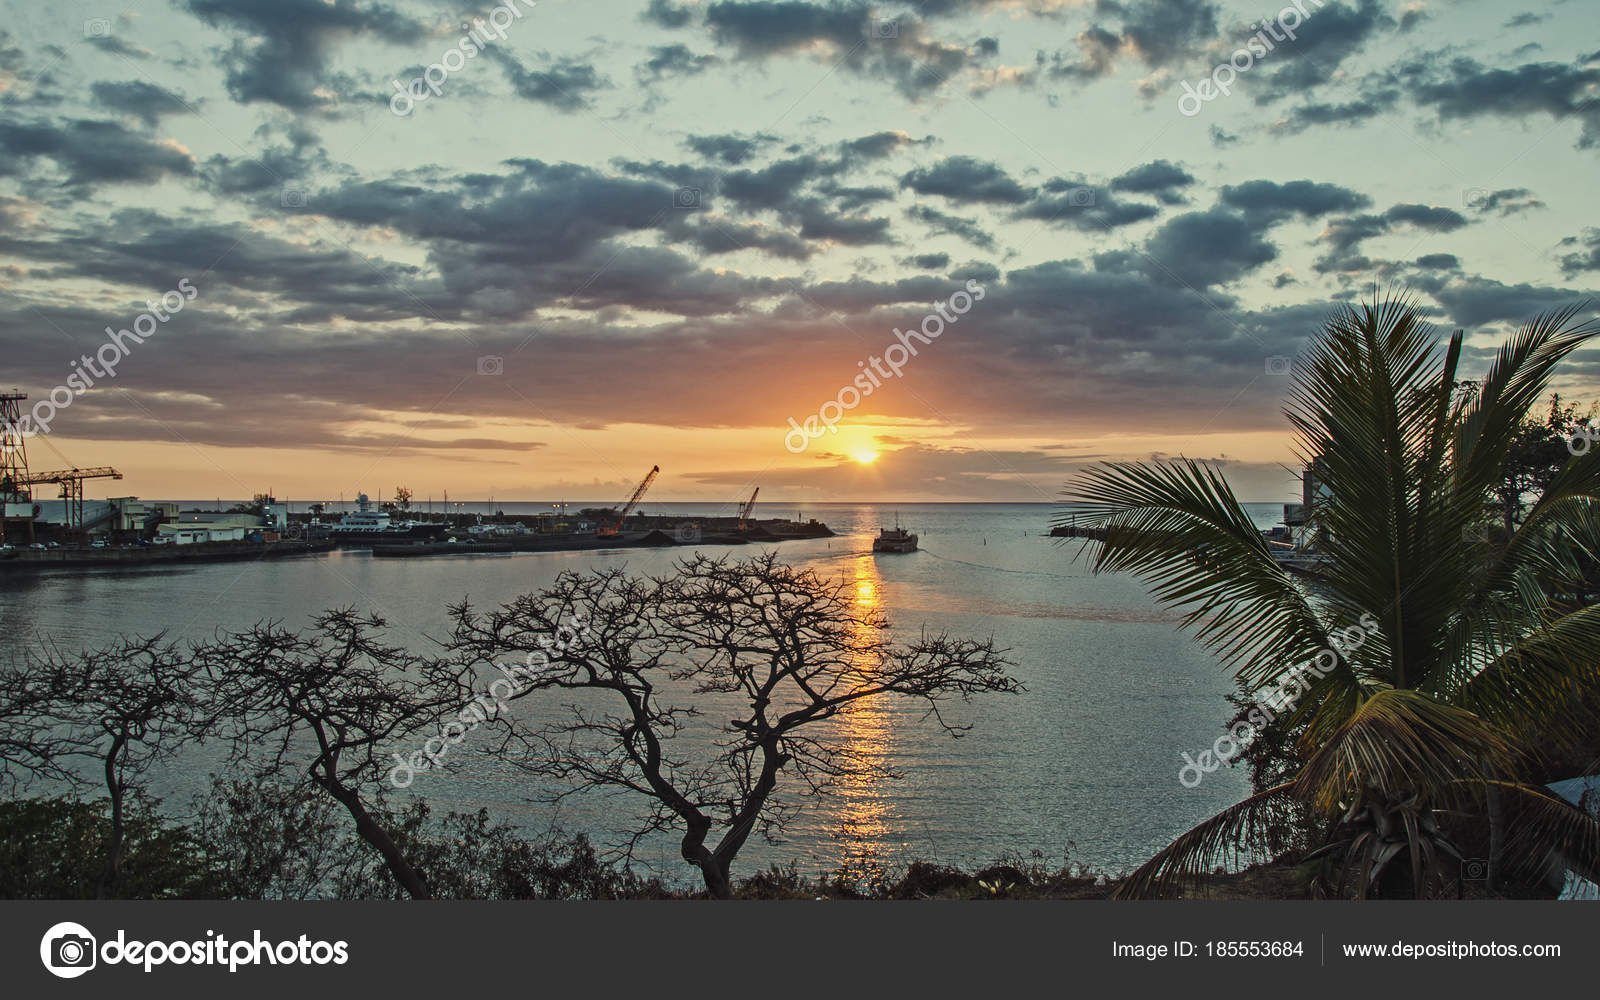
(745, 509)
(16, 500)
(615, 527)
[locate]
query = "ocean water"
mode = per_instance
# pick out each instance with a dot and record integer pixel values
(1083, 764)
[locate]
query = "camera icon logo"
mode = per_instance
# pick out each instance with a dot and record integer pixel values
(491, 364)
(1278, 364)
(293, 198)
(1474, 197)
(1081, 197)
(886, 28)
(97, 27)
(688, 533)
(68, 950)
(686, 197)
(1582, 439)
(1474, 870)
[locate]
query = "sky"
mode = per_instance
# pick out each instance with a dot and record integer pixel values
(842, 251)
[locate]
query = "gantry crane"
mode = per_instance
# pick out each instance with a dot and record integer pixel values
(748, 506)
(615, 528)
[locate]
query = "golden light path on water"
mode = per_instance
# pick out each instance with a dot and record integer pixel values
(866, 818)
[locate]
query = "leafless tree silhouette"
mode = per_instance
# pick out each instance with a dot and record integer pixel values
(790, 649)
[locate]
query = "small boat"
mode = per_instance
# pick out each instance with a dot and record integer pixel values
(896, 539)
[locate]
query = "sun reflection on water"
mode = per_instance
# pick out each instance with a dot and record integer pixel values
(864, 817)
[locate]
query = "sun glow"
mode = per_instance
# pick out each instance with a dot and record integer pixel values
(865, 456)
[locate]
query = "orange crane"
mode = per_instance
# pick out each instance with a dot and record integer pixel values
(748, 506)
(615, 528)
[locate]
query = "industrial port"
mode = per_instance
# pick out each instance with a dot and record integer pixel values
(68, 530)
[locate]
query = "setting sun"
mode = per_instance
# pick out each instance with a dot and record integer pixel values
(864, 456)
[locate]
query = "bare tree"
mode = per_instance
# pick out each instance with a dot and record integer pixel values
(31, 747)
(125, 708)
(783, 649)
(329, 707)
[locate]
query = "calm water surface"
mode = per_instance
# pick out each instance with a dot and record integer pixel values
(1085, 760)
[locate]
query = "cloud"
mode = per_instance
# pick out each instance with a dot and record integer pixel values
(1413, 14)
(1344, 236)
(1525, 19)
(927, 261)
(730, 149)
(1273, 202)
(667, 14)
(1439, 262)
(1332, 34)
(1466, 89)
(113, 44)
(942, 223)
(90, 152)
(670, 61)
(1201, 249)
(1221, 137)
(1479, 301)
(276, 167)
(1075, 204)
(1586, 258)
(1157, 33)
(283, 57)
(878, 145)
(562, 83)
(147, 102)
(966, 178)
(1313, 114)
(850, 34)
(1506, 201)
(1161, 178)
(1430, 217)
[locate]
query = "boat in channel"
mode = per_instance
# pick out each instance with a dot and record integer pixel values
(895, 539)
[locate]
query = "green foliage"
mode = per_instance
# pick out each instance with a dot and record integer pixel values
(1536, 455)
(55, 848)
(264, 840)
(267, 840)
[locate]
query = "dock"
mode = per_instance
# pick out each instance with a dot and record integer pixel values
(155, 555)
(657, 531)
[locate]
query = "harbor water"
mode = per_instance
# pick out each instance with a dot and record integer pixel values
(1083, 764)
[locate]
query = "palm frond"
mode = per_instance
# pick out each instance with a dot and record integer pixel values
(1550, 831)
(1178, 526)
(1399, 743)
(1239, 830)
(1538, 683)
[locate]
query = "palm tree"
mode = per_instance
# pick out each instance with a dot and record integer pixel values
(1473, 652)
